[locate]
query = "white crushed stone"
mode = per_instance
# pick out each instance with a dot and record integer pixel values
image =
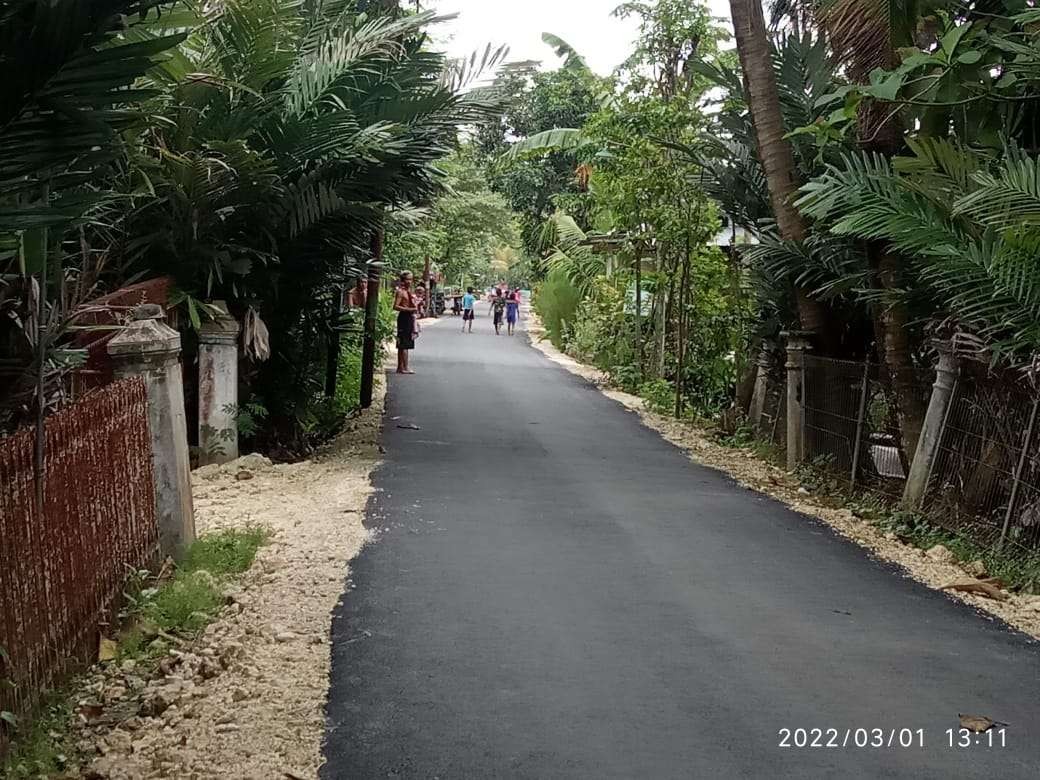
(1021, 610)
(247, 699)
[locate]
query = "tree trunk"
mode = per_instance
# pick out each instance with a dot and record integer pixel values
(662, 315)
(639, 316)
(909, 401)
(368, 350)
(774, 151)
(746, 388)
(880, 131)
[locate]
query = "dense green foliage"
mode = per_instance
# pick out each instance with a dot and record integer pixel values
(462, 232)
(537, 102)
(262, 145)
(640, 200)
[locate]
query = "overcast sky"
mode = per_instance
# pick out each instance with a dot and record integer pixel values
(585, 24)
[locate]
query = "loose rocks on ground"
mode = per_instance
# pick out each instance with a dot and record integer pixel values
(246, 698)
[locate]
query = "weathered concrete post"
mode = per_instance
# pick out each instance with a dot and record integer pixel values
(797, 345)
(218, 388)
(761, 392)
(934, 422)
(150, 348)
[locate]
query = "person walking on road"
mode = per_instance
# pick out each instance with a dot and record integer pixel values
(512, 311)
(498, 308)
(469, 303)
(406, 308)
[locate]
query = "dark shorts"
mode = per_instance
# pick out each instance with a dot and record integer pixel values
(498, 318)
(467, 314)
(405, 330)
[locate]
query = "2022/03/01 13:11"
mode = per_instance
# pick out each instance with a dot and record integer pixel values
(963, 738)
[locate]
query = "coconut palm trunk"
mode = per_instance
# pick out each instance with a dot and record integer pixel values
(866, 37)
(774, 151)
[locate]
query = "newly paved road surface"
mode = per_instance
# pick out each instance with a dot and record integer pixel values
(556, 592)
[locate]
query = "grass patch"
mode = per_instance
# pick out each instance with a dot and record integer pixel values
(182, 605)
(42, 744)
(1019, 571)
(192, 597)
(225, 552)
(185, 605)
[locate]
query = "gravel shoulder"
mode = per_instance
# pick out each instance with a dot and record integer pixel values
(1020, 611)
(247, 699)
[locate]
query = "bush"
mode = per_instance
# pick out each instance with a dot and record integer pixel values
(659, 395)
(556, 301)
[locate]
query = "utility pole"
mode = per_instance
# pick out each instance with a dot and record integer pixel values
(428, 299)
(368, 353)
(639, 315)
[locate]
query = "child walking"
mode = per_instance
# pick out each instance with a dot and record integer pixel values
(512, 311)
(469, 302)
(498, 308)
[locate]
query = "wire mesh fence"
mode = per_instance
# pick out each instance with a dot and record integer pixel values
(986, 477)
(851, 424)
(61, 569)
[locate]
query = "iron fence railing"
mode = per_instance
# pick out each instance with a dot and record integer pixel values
(850, 420)
(986, 476)
(62, 569)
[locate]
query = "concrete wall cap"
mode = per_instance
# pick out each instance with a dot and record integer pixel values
(144, 337)
(222, 327)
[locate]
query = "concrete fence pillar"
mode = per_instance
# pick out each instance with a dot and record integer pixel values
(797, 346)
(149, 348)
(218, 388)
(761, 392)
(934, 423)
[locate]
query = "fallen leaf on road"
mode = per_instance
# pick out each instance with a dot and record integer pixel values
(978, 723)
(979, 587)
(410, 427)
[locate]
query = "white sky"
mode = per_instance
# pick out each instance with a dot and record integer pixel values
(586, 25)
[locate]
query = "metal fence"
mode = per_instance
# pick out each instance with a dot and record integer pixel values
(986, 476)
(850, 423)
(985, 479)
(61, 571)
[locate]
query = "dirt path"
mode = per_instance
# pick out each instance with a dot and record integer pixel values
(1020, 611)
(247, 701)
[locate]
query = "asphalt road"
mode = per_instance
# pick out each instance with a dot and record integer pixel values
(556, 592)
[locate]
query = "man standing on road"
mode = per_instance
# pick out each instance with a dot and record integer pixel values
(405, 306)
(469, 303)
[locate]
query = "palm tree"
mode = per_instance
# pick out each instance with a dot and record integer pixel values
(290, 132)
(774, 150)
(67, 96)
(865, 35)
(967, 222)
